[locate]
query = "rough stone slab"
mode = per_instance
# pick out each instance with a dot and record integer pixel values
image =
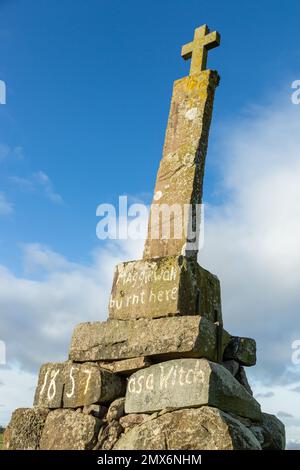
(232, 366)
(242, 378)
(129, 421)
(127, 366)
(184, 383)
(116, 410)
(25, 429)
(109, 435)
(89, 384)
(243, 350)
(202, 428)
(99, 411)
(68, 430)
(270, 433)
(163, 287)
(69, 385)
(190, 336)
(50, 387)
(181, 170)
(83, 385)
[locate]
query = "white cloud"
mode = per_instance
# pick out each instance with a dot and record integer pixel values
(6, 207)
(17, 388)
(38, 257)
(279, 400)
(252, 240)
(38, 316)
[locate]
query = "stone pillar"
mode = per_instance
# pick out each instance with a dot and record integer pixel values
(180, 176)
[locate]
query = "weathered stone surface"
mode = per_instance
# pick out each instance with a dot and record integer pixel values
(270, 433)
(50, 388)
(232, 365)
(116, 410)
(197, 50)
(90, 384)
(208, 295)
(68, 430)
(109, 435)
(70, 385)
(127, 366)
(239, 373)
(242, 378)
(25, 429)
(154, 288)
(202, 428)
(129, 421)
(99, 411)
(243, 350)
(190, 336)
(188, 383)
(180, 175)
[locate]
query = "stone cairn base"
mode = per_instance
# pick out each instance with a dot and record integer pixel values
(150, 383)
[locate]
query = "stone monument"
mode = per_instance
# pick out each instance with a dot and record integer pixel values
(161, 372)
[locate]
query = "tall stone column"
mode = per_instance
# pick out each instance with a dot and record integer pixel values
(174, 218)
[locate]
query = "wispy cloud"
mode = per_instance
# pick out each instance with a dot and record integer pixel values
(36, 182)
(25, 184)
(38, 257)
(296, 389)
(284, 414)
(44, 181)
(293, 445)
(6, 207)
(6, 151)
(264, 395)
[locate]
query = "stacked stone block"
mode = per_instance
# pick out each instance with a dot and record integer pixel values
(150, 383)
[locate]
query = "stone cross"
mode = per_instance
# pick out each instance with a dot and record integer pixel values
(198, 48)
(174, 223)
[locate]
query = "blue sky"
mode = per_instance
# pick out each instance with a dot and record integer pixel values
(88, 94)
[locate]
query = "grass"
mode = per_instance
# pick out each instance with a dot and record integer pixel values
(1, 441)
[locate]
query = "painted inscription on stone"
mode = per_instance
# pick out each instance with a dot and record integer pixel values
(50, 389)
(184, 383)
(142, 287)
(168, 377)
(72, 385)
(148, 289)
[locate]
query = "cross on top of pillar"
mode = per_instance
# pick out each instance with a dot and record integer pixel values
(197, 49)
